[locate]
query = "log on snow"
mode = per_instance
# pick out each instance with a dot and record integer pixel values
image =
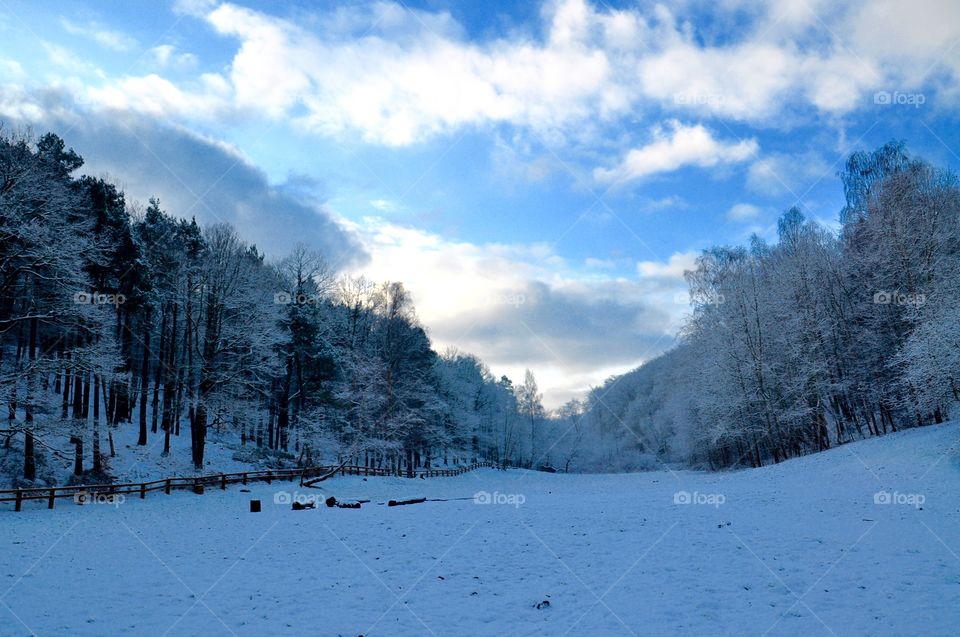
(333, 502)
(396, 503)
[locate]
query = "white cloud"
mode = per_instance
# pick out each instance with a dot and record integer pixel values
(384, 205)
(104, 36)
(197, 8)
(673, 269)
(670, 202)
(396, 76)
(919, 31)
(675, 146)
(522, 305)
(396, 91)
(17, 105)
(155, 95)
(166, 55)
(162, 53)
(11, 69)
(743, 212)
(599, 264)
(739, 82)
(64, 59)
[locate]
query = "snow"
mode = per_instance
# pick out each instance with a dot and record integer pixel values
(137, 464)
(800, 548)
(134, 463)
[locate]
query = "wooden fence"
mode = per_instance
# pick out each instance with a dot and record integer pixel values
(197, 484)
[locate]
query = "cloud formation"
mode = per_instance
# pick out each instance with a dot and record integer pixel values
(192, 175)
(522, 305)
(743, 212)
(676, 146)
(109, 38)
(397, 76)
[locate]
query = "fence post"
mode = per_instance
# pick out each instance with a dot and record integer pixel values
(269, 477)
(19, 505)
(166, 488)
(51, 498)
(223, 481)
(244, 479)
(143, 490)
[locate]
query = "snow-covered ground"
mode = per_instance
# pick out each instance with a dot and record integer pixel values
(135, 464)
(807, 547)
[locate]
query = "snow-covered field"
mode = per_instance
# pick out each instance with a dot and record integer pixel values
(803, 548)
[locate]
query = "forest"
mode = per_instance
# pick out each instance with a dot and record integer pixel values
(819, 339)
(113, 315)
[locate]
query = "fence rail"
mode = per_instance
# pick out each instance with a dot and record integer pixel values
(198, 483)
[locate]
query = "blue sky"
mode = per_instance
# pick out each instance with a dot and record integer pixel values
(539, 174)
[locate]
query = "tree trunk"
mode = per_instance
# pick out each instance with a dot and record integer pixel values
(157, 371)
(168, 389)
(77, 456)
(29, 453)
(144, 386)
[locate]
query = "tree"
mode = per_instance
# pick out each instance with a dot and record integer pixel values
(529, 405)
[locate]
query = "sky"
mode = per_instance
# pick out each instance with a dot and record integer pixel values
(538, 174)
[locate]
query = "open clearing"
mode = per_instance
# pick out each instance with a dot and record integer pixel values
(801, 548)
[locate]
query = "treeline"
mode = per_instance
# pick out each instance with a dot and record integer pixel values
(115, 316)
(795, 347)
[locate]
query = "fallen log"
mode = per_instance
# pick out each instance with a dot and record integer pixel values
(396, 503)
(333, 502)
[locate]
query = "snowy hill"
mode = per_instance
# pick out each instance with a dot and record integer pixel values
(134, 463)
(859, 540)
